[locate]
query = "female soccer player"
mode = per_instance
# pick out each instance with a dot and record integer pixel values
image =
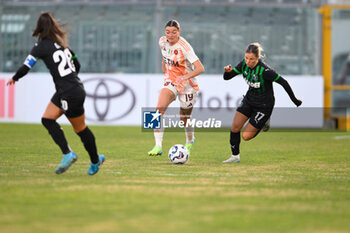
(258, 103)
(180, 65)
(70, 93)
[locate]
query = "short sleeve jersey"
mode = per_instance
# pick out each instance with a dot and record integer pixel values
(178, 60)
(58, 60)
(259, 79)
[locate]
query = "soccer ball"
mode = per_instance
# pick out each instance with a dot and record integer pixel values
(178, 154)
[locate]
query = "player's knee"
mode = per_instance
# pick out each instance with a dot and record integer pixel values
(86, 136)
(184, 120)
(247, 136)
(47, 122)
(44, 121)
(235, 128)
(79, 127)
(51, 125)
(161, 109)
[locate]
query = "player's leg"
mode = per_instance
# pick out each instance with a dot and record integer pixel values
(51, 114)
(235, 137)
(76, 116)
(185, 115)
(89, 142)
(249, 132)
(187, 101)
(166, 97)
(258, 120)
(243, 113)
(86, 136)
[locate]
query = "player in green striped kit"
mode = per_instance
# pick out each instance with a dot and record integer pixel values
(258, 103)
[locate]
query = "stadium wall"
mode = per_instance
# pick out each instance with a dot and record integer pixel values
(118, 99)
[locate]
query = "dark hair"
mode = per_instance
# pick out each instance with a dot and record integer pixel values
(173, 23)
(254, 48)
(48, 28)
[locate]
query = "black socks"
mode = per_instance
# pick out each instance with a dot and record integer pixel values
(88, 139)
(57, 134)
(86, 136)
(235, 140)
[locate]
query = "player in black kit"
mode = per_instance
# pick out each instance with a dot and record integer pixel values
(258, 103)
(70, 93)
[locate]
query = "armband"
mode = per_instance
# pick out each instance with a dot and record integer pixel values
(30, 61)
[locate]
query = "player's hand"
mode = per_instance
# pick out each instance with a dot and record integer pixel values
(10, 82)
(180, 80)
(228, 68)
(298, 103)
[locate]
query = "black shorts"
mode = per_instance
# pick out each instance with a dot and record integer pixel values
(71, 102)
(257, 115)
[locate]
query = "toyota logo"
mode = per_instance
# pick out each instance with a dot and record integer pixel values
(111, 99)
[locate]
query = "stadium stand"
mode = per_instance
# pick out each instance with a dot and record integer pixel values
(122, 35)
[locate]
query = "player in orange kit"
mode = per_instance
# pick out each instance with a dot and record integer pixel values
(180, 66)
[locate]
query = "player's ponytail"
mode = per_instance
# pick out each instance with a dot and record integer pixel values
(48, 28)
(256, 49)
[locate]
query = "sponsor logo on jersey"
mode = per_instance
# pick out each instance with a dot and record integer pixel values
(170, 51)
(171, 62)
(254, 85)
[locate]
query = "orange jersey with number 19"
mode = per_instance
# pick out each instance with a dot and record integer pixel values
(178, 60)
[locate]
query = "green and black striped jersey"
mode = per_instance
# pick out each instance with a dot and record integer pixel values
(259, 79)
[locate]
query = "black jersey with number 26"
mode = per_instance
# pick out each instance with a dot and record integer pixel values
(58, 60)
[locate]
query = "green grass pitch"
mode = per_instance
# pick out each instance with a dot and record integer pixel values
(286, 182)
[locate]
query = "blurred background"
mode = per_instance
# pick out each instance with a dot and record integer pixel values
(121, 36)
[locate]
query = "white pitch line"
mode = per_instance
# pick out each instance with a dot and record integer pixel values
(342, 137)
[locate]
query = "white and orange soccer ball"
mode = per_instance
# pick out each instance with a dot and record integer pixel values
(178, 154)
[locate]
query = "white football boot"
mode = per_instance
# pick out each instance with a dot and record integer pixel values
(233, 159)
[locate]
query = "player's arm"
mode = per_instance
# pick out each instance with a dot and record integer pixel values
(232, 72)
(163, 66)
(272, 75)
(198, 69)
(23, 70)
(161, 44)
(191, 56)
(29, 63)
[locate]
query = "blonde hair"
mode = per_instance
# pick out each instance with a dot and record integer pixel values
(255, 48)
